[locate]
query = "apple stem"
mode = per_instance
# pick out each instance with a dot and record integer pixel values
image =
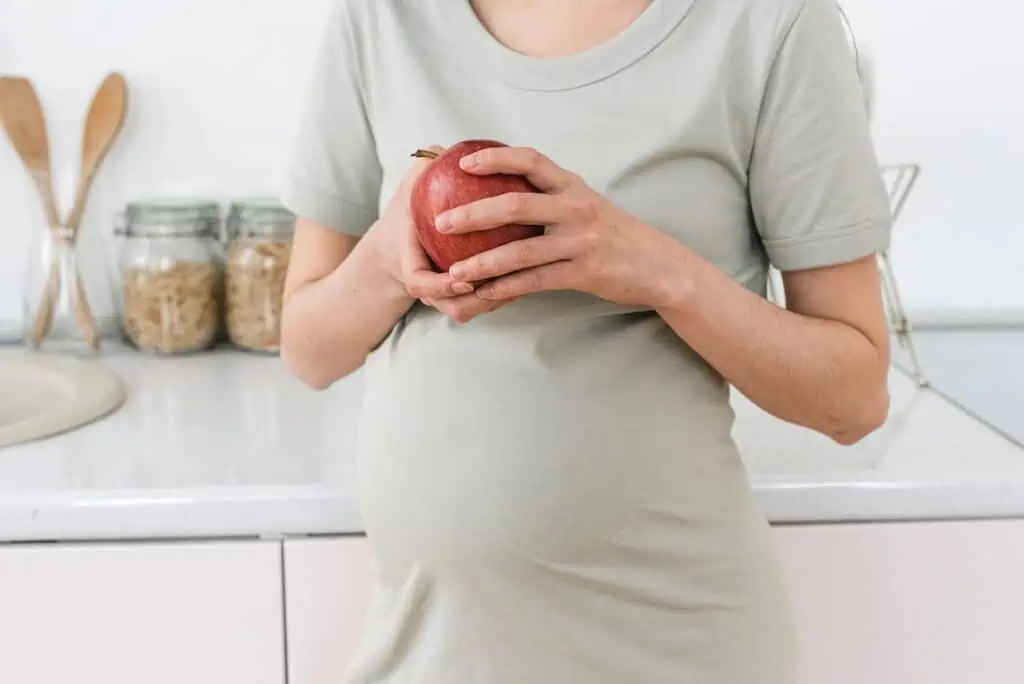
(425, 154)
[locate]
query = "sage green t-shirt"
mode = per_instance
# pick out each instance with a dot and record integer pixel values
(551, 490)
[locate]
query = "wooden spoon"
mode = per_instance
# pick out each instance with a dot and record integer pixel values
(102, 125)
(22, 117)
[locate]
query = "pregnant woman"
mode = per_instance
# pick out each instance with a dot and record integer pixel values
(547, 475)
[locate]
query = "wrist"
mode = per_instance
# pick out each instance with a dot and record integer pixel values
(380, 263)
(676, 293)
(673, 286)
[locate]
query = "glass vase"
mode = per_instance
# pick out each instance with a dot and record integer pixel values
(57, 311)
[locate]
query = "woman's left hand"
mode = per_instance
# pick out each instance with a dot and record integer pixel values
(589, 244)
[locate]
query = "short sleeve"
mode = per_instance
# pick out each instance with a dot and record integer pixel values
(333, 174)
(816, 190)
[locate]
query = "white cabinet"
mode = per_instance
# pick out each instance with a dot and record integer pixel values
(327, 584)
(929, 603)
(935, 603)
(161, 613)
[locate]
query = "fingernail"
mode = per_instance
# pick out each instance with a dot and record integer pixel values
(457, 272)
(444, 222)
(470, 161)
(462, 288)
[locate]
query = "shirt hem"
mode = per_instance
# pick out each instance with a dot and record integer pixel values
(327, 209)
(830, 248)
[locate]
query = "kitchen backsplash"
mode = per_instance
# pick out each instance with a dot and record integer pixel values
(213, 87)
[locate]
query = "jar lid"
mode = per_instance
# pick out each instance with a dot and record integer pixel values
(171, 217)
(259, 216)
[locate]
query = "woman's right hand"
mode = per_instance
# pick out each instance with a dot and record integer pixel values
(400, 254)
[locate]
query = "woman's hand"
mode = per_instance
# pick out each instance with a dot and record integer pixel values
(589, 245)
(398, 250)
(401, 255)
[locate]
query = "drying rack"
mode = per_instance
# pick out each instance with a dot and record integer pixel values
(899, 180)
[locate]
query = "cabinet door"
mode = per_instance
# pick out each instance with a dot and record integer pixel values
(201, 613)
(327, 587)
(935, 603)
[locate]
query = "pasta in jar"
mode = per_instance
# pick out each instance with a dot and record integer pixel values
(172, 279)
(256, 267)
(173, 309)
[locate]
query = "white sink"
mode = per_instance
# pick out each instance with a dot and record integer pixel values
(46, 394)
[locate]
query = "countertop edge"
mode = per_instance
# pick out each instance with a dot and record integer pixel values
(299, 512)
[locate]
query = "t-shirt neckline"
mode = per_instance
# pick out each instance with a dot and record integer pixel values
(515, 69)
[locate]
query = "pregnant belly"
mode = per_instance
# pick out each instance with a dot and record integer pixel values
(470, 451)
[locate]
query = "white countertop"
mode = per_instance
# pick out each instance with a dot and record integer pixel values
(226, 444)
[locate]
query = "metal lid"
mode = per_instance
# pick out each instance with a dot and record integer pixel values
(171, 217)
(259, 216)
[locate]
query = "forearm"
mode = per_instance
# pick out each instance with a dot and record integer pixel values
(822, 374)
(330, 326)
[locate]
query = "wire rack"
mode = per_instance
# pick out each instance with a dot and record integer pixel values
(900, 180)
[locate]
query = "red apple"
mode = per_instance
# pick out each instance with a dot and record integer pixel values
(444, 185)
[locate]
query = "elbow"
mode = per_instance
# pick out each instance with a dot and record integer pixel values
(861, 418)
(302, 360)
(296, 363)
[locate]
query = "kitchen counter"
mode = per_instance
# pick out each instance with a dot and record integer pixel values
(981, 370)
(226, 444)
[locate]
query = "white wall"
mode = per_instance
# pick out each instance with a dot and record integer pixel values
(949, 98)
(212, 82)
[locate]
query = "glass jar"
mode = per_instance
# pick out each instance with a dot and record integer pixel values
(170, 273)
(259, 233)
